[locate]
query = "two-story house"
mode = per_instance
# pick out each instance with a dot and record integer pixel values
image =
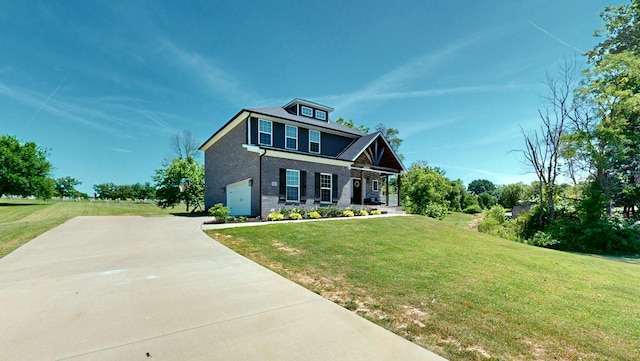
(266, 158)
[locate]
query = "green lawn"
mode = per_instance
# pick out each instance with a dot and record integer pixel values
(462, 294)
(22, 220)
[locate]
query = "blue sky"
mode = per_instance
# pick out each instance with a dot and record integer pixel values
(104, 85)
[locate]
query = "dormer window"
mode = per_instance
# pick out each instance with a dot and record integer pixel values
(306, 111)
(321, 114)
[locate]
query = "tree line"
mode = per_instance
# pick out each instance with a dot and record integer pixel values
(590, 134)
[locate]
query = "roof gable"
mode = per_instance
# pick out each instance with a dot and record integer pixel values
(373, 150)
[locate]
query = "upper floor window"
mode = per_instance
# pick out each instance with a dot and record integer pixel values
(314, 141)
(291, 137)
(306, 111)
(321, 114)
(265, 128)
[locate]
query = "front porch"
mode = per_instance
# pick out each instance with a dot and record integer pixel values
(375, 188)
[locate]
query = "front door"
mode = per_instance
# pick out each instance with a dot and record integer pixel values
(356, 191)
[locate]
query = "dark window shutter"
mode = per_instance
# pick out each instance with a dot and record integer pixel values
(283, 185)
(317, 188)
(334, 191)
(303, 186)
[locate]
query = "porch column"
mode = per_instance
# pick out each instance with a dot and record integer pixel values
(386, 184)
(363, 188)
(399, 193)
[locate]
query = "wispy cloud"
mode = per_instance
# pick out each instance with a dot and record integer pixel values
(555, 37)
(507, 134)
(386, 86)
(46, 101)
(57, 108)
(410, 129)
(119, 115)
(118, 150)
(214, 77)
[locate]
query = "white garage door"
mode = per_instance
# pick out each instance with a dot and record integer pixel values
(239, 198)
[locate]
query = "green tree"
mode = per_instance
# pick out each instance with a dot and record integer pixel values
(608, 142)
(511, 195)
(66, 187)
(24, 169)
(487, 200)
(425, 190)
(480, 186)
(180, 181)
(349, 123)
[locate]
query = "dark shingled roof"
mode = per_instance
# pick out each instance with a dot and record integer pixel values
(357, 147)
(280, 112)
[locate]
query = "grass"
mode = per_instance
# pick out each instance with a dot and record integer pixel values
(459, 293)
(22, 220)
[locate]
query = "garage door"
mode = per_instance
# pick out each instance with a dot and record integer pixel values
(239, 198)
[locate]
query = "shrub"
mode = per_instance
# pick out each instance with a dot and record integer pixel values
(376, 212)
(473, 209)
(542, 239)
(434, 210)
(219, 212)
(295, 215)
(348, 213)
(242, 219)
(275, 216)
(314, 215)
(363, 212)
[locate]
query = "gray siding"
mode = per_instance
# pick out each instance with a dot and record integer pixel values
(270, 183)
(228, 162)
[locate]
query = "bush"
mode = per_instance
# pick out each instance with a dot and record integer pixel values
(219, 212)
(376, 212)
(496, 223)
(275, 216)
(474, 209)
(363, 212)
(348, 213)
(434, 210)
(295, 216)
(314, 215)
(542, 239)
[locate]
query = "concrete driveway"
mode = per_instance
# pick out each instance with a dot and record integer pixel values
(134, 288)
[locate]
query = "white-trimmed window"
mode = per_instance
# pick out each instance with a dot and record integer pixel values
(265, 131)
(291, 137)
(314, 141)
(306, 111)
(325, 188)
(374, 185)
(321, 114)
(293, 185)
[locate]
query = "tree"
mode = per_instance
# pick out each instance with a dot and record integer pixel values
(511, 195)
(612, 86)
(479, 186)
(184, 145)
(349, 123)
(544, 147)
(65, 187)
(425, 190)
(182, 180)
(24, 169)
